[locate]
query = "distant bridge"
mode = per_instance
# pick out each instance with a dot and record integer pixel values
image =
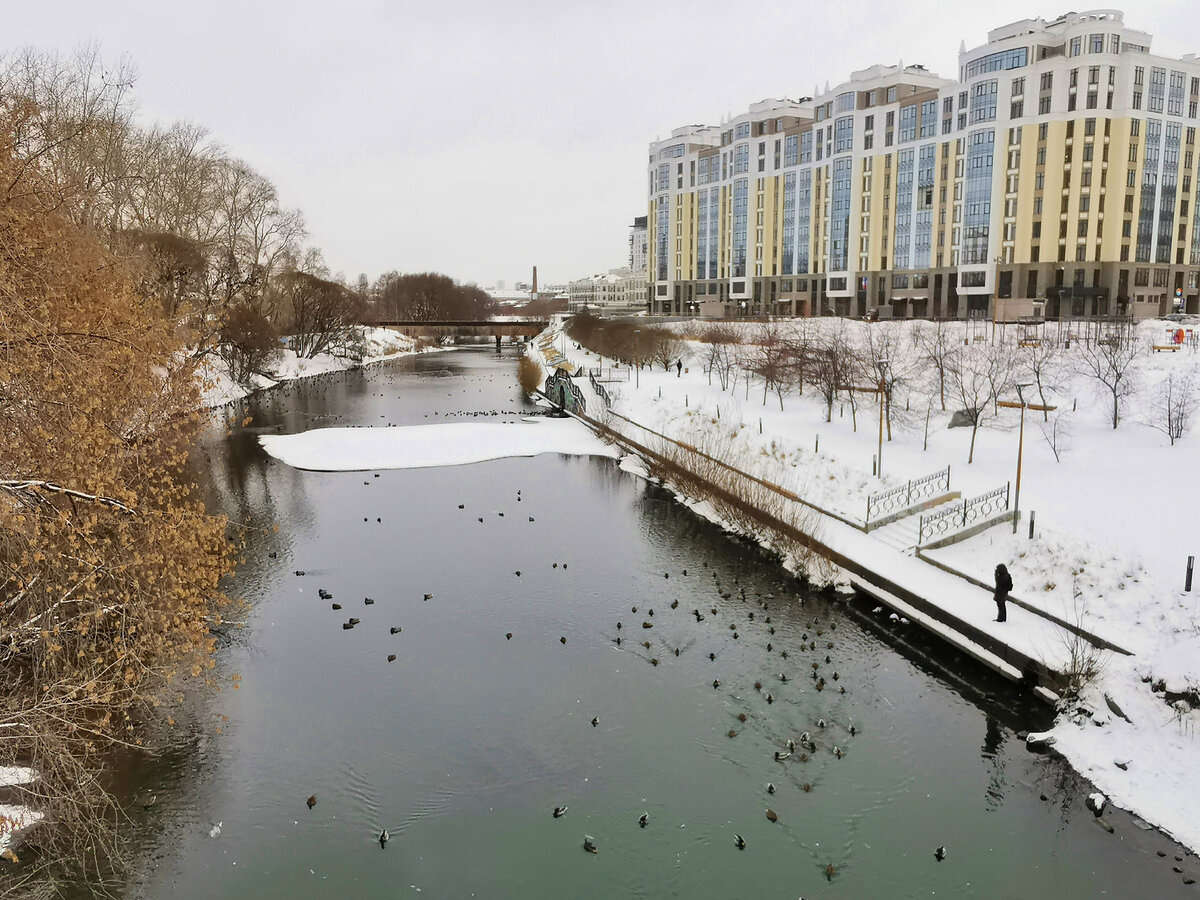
(485, 328)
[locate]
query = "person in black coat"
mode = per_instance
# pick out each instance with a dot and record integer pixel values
(1003, 586)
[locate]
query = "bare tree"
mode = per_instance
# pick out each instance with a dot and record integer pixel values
(1057, 432)
(939, 350)
(1173, 405)
(1042, 363)
(772, 359)
(832, 367)
(720, 354)
(1111, 366)
(974, 379)
(665, 347)
(319, 313)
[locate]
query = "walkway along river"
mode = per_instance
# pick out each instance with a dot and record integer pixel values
(464, 744)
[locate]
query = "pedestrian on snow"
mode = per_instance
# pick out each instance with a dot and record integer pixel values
(679, 367)
(1003, 586)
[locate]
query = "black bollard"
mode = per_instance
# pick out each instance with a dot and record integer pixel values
(1032, 513)
(1187, 584)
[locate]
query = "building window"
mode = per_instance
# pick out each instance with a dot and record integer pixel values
(1076, 46)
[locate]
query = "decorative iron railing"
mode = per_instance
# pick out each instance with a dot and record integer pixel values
(961, 515)
(905, 495)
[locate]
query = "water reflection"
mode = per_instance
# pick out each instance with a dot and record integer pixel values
(464, 743)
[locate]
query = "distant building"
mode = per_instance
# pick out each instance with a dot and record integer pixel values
(638, 245)
(1058, 170)
(616, 292)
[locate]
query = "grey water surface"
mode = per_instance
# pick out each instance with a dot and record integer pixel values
(463, 746)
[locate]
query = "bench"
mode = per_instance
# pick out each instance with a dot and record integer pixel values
(1032, 343)
(1171, 347)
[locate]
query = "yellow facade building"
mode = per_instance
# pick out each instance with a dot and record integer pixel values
(1056, 175)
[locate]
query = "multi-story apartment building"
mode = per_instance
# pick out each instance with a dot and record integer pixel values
(1059, 168)
(638, 244)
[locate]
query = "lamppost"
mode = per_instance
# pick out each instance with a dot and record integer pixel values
(1022, 405)
(883, 367)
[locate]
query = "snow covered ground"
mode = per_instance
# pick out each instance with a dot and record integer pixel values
(15, 818)
(378, 344)
(419, 446)
(1116, 514)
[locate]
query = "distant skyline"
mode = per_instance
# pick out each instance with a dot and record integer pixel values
(480, 139)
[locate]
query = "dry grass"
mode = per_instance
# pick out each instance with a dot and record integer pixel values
(529, 373)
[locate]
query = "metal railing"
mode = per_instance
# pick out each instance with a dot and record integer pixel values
(599, 389)
(961, 515)
(905, 495)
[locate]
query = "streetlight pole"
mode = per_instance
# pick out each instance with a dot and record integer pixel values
(883, 365)
(1022, 405)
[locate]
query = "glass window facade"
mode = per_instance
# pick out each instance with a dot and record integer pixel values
(740, 194)
(662, 236)
(803, 220)
(787, 264)
(902, 231)
(929, 118)
(983, 101)
(977, 206)
(741, 159)
(843, 134)
(908, 123)
(791, 149)
(923, 230)
(997, 62)
(839, 218)
(1158, 87)
(806, 144)
(1167, 192)
(1145, 232)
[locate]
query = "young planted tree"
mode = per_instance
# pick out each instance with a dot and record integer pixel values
(1111, 366)
(771, 358)
(1042, 363)
(939, 349)
(720, 352)
(974, 378)
(1174, 405)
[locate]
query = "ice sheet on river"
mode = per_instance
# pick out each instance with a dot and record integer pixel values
(419, 446)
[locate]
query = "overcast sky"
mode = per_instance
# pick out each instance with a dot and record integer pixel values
(480, 138)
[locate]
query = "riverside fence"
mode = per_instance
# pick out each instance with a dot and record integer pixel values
(961, 515)
(905, 495)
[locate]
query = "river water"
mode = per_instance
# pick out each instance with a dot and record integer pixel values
(464, 744)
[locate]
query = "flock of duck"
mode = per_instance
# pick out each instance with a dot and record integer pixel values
(814, 640)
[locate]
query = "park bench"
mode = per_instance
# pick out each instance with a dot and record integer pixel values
(1171, 347)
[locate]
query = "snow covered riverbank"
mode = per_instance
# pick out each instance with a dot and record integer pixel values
(378, 344)
(1115, 517)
